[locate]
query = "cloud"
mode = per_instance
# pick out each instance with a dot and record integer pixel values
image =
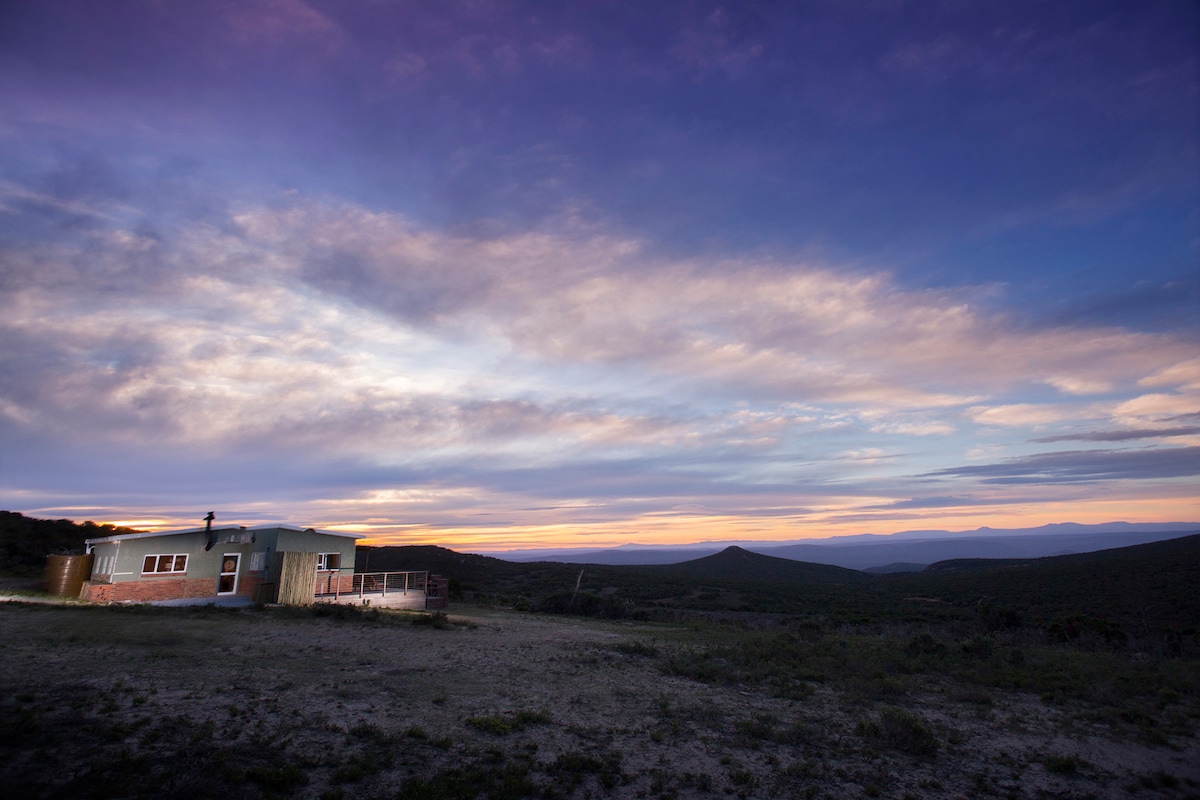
(914, 427)
(1120, 436)
(1185, 374)
(284, 23)
(1071, 385)
(1152, 408)
(331, 351)
(328, 324)
(1030, 414)
(1076, 466)
(938, 502)
(714, 45)
(1165, 305)
(801, 330)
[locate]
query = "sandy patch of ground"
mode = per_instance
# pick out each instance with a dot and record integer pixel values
(188, 703)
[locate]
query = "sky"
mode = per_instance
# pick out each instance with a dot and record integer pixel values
(522, 274)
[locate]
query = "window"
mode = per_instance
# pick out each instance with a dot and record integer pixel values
(171, 564)
(256, 561)
(329, 561)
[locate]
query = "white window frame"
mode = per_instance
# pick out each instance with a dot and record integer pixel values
(323, 562)
(237, 573)
(158, 561)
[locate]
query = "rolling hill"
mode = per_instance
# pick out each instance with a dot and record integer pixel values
(1145, 584)
(737, 564)
(1148, 586)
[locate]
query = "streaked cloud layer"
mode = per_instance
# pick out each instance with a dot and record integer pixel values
(499, 275)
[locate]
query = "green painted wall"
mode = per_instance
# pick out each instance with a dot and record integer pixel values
(131, 553)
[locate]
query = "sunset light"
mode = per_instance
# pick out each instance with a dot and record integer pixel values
(525, 275)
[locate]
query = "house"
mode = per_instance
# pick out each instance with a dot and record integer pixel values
(217, 561)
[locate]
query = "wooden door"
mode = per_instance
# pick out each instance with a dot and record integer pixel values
(227, 581)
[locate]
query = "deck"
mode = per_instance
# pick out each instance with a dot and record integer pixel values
(407, 590)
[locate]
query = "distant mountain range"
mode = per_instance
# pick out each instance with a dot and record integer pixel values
(897, 552)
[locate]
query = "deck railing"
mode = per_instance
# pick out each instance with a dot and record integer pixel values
(371, 584)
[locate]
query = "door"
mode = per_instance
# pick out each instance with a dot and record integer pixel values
(227, 582)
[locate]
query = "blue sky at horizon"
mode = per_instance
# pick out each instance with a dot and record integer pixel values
(528, 274)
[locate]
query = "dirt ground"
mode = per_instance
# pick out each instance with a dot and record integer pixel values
(108, 702)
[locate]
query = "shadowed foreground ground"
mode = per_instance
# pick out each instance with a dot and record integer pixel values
(139, 702)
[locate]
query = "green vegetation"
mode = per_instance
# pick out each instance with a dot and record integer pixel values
(900, 729)
(1138, 599)
(437, 619)
(498, 779)
(504, 724)
(807, 682)
(1126, 692)
(344, 706)
(1064, 765)
(25, 542)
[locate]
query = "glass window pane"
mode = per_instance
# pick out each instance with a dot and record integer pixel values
(180, 563)
(164, 563)
(333, 560)
(148, 564)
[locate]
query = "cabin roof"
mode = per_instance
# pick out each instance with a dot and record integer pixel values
(121, 537)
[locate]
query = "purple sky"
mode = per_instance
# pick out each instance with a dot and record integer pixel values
(510, 274)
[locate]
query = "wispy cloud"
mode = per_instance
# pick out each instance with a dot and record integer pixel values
(620, 268)
(1120, 436)
(1086, 465)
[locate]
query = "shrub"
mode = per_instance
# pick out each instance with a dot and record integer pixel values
(902, 730)
(998, 618)
(636, 647)
(978, 646)
(585, 604)
(497, 781)
(1083, 629)
(437, 619)
(502, 725)
(284, 779)
(491, 724)
(571, 768)
(1063, 765)
(924, 644)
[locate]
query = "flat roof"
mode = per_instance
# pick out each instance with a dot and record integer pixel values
(149, 534)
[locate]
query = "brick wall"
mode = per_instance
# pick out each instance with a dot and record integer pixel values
(153, 589)
(328, 583)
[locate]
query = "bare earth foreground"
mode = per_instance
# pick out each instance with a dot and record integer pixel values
(139, 702)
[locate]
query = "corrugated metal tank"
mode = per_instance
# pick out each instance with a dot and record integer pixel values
(65, 575)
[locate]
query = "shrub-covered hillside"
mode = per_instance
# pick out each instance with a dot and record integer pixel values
(25, 541)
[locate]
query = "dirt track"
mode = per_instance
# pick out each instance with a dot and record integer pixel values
(186, 703)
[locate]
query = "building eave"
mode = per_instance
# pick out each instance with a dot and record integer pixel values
(122, 537)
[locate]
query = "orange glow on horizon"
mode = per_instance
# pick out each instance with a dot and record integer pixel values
(690, 530)
(680, 529)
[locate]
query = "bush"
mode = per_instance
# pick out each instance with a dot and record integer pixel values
(978, 646)
(437, 619)
(1063, 765)
(924, 644)
(998, 618)
(585, 604)
(900, 729)
(1080, 628)
(501, 725)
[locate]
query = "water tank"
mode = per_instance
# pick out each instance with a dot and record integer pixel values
(65, 574)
